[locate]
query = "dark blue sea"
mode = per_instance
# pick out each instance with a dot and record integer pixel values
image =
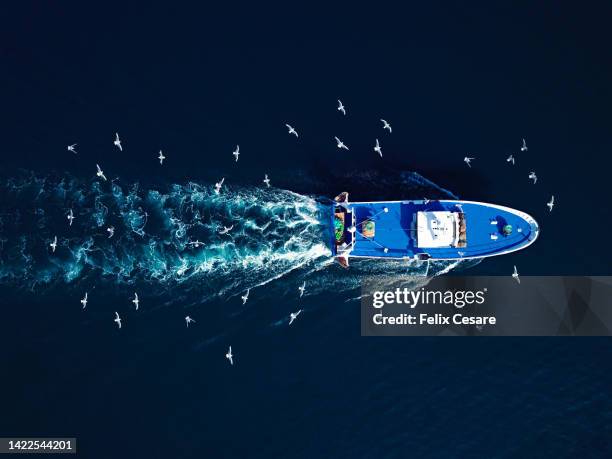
(194, 81)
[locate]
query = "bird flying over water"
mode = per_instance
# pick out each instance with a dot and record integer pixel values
(293, 316)
(302, 289)
(551, 203)
(218, 185)
(524, 147)
(510, 159)
(53, 245)
(117, 142)
(70, 217)
(377, 148)
(117, 319)
(72, 148)
(468, 161)
(266, 180)
(245, 297)
(188, 320)
(100, 173)
(229, 356)
(291, 130)
(111, 231)
(136, 301)
(196, 243)
(236, 152)
(84, 301)
(533, 176)
(161, 157)
(386, 125)
(341, 107)
(340, 144)
(515, 275)
(226, 229)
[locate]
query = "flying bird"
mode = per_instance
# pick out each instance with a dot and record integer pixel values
(84, 301)
(386, 125)
(533, 176)
(117, 142)
(291, 130)
(341, 107)
(161, 157)
(70, 217)
(196, 243)
(266, 180)
(111, 231)
(229, 356)
(551, 203)
(236, 152)
(72, 148)
(100, 173)
(515, 275)
(293, 316)
(340, 144)
(510, 159)
(377, 148)
(188, 320)
(136, 301)
(302, 289)
(524, 147)
(226, 229)
(53, 245)
(245, 297)
(468, 161)
(218, 185)
(117, 319)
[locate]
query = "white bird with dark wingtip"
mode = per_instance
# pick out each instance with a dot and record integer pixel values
(510, 159)
(161, 158)
(468, 161)
(100, 173)
(218, 185)
(524, 147)
(551, 203)
(377, 148)
(515, 275)
(226, 229)
(245, 297)
(229, 356)
(341, 107)
(117, 142)
(72, 148)
(111, 231)
(386, 125)
(53, 245)
(236, 152)
(189, 320)
(117, 319)
(293, 316)
(136, 300)
(266, 180)
(291, 130)
(340, 144)
(70, 217)
(84, 301)
(302, 289)
(533, 176)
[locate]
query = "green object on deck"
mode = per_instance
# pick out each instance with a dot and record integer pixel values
(507, 230)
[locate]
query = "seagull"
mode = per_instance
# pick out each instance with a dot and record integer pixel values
(188, 320)
(291, 130)
(341, 107)
(266, 180)
(524, 147)
(218, 185)
(510, 159)
(136, 301)
(551, 203)
(245, 297)
(226, 229)
(117, 319)
(84, 301)
(70, 217)
(71, 148)
(377, 148)
(533, 176)
(386, 125)
(229, 356)
(117, 142)
(111, 231)
(340, 144)
(236, 152)
(293, 316)
(100, 173)
(53, 245)
(161, 157)
(515, 275)
(467, 161)
(196, 243)
(302, 289)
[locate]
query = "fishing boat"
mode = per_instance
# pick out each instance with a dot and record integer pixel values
(427, 229)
